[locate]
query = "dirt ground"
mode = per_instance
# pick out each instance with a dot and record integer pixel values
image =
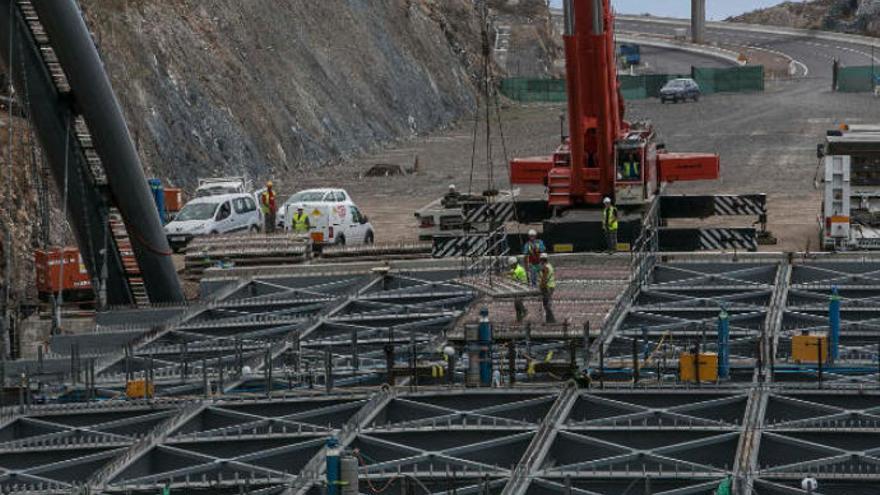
(529, 130)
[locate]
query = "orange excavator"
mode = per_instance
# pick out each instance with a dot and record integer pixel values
(603, 155)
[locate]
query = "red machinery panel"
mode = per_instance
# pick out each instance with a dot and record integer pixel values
(530, 170)
(50, 279)
(173, 199)
(675, 167)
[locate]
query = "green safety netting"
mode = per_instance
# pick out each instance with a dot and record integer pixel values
(529, 90)
(729, 80)
(734, 79)
(857, 79)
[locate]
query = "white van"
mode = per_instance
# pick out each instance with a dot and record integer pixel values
(334, 217)
(210, 215)
(214, 186)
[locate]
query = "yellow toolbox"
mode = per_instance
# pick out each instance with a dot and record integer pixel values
(139, 389)
(805, 348)
(708, 364)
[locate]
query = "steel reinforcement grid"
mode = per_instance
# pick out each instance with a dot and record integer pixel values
(245, 400)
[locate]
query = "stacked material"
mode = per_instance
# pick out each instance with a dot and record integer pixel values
(253, 250)
(367, 252)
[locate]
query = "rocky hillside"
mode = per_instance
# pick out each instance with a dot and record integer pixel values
(271, 88)
(264, 86)
(527, 44)
(850, 16)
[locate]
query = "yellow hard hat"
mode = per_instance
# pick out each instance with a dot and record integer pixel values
(268, 183)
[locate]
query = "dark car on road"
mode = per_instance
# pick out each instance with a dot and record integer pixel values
(678, 90)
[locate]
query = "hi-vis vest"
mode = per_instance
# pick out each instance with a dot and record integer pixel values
(300, 222)
(266, 200)
(548, 277)
(610, 218)
(518, 274)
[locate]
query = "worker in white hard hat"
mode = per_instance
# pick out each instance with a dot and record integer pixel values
(809, 485)
(609, 225)
(547, 284)
(518, 275)
(451, 198)
(532, 251)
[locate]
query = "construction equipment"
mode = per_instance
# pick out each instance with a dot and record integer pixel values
(630, 54)
(604, 155)
(62, 270)
(139, 389)
(701, 367)
(214, 186)
(808, 348)
(850, 166)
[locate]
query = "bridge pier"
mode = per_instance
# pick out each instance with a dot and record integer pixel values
(698, 21)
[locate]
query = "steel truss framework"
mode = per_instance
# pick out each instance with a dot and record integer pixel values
(768, 427)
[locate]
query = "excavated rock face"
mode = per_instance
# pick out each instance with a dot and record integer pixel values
(264, 86)
(851, 16)
(530, 46)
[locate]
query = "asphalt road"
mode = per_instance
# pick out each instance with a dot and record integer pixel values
(664, 61)
(767, 141)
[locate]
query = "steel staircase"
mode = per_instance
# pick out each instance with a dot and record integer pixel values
(121, 242)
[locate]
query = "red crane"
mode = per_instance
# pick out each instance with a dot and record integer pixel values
(604, 155)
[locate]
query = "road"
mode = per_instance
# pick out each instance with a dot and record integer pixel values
(664, 61)
(767, 141)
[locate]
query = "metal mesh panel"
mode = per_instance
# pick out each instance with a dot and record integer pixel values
(736, 79)
(856, 79)
(729, 80)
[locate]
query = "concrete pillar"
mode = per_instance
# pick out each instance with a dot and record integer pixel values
(698, 21)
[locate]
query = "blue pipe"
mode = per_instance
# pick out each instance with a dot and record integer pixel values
(484, 338)
(723, 344)
(834, 320)
(159, 197)
(333, 452)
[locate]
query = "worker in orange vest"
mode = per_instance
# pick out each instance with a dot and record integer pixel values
(267, 206)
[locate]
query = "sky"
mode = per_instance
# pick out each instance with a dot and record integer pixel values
(716, 10)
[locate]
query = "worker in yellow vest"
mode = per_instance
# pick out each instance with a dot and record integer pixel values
(609, 225)
(547, 284)
(301, 223)
(267, 207)
(518, 275)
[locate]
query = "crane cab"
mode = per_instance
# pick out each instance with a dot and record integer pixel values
(635, 165)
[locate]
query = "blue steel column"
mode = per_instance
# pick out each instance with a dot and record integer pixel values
(333, 451)
(723, 344)
(485, 339)
(834, 324)
(96, 100)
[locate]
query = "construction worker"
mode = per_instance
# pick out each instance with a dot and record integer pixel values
(267, 207)
(609, 225)
(518, 275)
(633, 166)
(547, 284)
(532, 251)
(451, 198)
(301, 223)
(628, 169)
